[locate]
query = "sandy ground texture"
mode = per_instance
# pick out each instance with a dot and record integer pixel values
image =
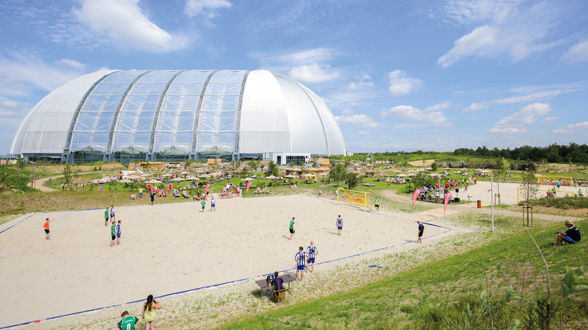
(174, 247)
(508, 192)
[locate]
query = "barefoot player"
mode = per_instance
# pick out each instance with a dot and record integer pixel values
(339, 223)
(301, 258)
(312, 252)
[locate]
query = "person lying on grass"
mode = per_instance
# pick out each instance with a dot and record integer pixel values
(571, 236)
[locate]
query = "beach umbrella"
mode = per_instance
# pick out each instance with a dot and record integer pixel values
(125, 181)
(290, 176)
(184, 173)
(248, 179)
(147, 174)
(192, 178)
(167, 175)
(177, 179)
(153, 181)
(271, 177)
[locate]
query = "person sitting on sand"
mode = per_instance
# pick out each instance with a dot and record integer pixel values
(571, 236)
(149, 312)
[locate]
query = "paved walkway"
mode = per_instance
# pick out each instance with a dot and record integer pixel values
(471, 207)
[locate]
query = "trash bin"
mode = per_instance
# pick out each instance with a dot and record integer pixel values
(479, 204)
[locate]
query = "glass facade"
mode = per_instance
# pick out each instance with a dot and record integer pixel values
(153, 112)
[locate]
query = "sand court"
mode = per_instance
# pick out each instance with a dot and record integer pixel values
(174, 247)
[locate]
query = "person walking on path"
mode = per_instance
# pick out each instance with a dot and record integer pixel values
(312, 253)
(213, 204)
(421, 230)
(106, 214)
(112, 234)
(339, 224)
(118, 232)
(292, 232)
(301, 258)
(112, 217)
(128, 322)
(148, 314)
(46, 226)
(152, 195)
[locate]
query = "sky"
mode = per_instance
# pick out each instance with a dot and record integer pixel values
(398, 75)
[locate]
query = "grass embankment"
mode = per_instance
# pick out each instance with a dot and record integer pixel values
(447, 293)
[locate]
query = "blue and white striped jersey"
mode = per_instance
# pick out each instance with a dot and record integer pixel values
(301, 258)
(312, 251)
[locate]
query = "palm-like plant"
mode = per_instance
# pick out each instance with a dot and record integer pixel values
(352, 180)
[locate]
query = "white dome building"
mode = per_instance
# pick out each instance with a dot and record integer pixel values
(179, 115)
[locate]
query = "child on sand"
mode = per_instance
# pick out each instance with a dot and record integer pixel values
(128, 322)
(112, 234)
(106, 214)
(203, 203)
(213, 204)
(320, 193)
(292, 232)
(339, 224)
(377, 204)
(112, 217)
(46, 226)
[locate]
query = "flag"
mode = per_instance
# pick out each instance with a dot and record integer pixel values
(416, 194)
(171, 187)
(207, 187)
(148, 186)
(248, 186)
(447, 198)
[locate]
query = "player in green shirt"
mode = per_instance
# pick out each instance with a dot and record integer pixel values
(127, 322)
(106, 213)
(292, 228)
(203, 203)
(112, 233)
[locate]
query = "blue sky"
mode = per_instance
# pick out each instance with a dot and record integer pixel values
(398, 75)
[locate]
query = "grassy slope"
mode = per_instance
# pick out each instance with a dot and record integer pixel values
(381, 304)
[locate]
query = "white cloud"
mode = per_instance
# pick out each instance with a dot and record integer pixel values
(417, 118)
(313, 73)
(21, 73)
(476, 107)
(401, 84)
(549, 119)
(125, 22)
(527, 115)
(363, 133)
(508, 130)
(577, 53)
(362, 83)
(571, 128)
(474, 43)
(515, 123)
(73, 63)
(207, 7)
(440, 106)
(528, 98)
(359, 121)
(8, 104)
(510, 27)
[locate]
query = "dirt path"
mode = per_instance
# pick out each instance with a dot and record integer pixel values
(38, 184)
(391, 194)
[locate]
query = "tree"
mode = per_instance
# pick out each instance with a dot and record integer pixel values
(338, 173)
(67, 175)
(434, 166)
(352, 180)
(529, 185)
(501, 169)
(6, 182)
(272, 169)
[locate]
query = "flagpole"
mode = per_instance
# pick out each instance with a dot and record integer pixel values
(492, 201)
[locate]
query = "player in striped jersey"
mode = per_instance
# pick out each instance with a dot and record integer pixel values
(312, 252)
(301, 258)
